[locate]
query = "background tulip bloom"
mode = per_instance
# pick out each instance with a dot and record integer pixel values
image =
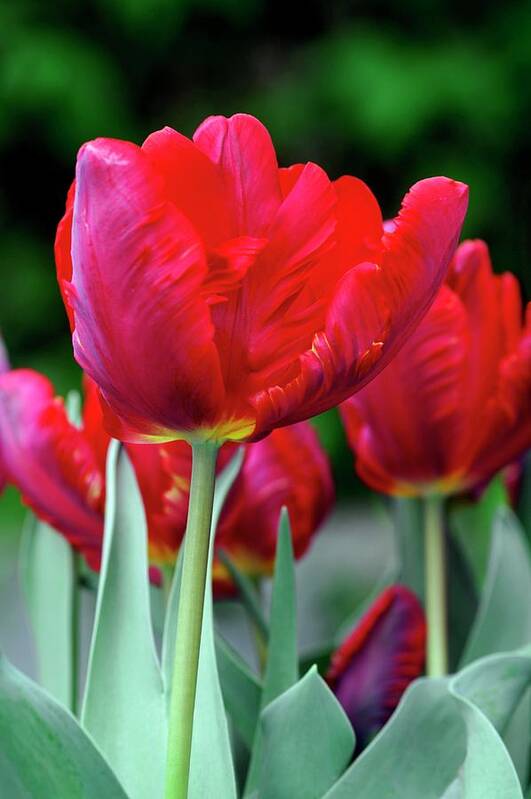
(288, 468)
(377, 661)
(454, 406)
(213, 295)
(60, 468)
(52, 462)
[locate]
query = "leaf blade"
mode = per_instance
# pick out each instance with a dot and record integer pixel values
(124, 706)
(44, 751)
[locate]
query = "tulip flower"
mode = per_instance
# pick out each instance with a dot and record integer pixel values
(450, 410)
(213, 295)
(288, 468)
(60, 468)
(377, 661)
(454, 405)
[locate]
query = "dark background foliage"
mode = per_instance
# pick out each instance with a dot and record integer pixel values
(386, 90)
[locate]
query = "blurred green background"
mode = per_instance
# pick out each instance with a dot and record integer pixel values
(387, 90)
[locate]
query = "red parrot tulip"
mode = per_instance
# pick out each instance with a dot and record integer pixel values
(54, 464)
(213, 295)
(377, 661)
(60, 468)
(454, 406)
(288, 468)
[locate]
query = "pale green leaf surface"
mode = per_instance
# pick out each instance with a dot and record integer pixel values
(44, 753)
(281, 669)
(307, 741)
(241, 690)
(124, 706)
(47, 577)
(471, 524)
(503, 621)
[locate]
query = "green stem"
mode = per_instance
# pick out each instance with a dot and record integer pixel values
(75, 630)
(189, 620)
(435, 577)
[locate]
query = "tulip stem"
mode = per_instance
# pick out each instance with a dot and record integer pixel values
(189, 620)
(435, 579)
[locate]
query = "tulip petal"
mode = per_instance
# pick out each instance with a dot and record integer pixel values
(142, 329)
(471, 277)
(285, 282)
(190, 177)
(412, 447)
(63, 256)
(382, 655)
(375, 307)
(50, 460)
(242, 149)
(505, 428)
(287, 469)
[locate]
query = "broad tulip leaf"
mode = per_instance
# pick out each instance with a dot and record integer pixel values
(445, 734)
(281, 669)
(47, 577)
(462, 600)
(471, 525)
(517, 738)
(124, 707)
(307, 741)
(247, 593)
(211, 768)
(45, 754)
(241, 690)
(487, 771)
(503, 621)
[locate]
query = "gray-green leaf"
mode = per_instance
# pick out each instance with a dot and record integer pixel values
(124, 707)
(44, 753)
(47, 577)
(503, 621)
(307, 741)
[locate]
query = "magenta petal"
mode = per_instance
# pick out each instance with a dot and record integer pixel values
(374, 665)
(50, 460)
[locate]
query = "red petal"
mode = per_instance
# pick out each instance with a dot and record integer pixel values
(419, 433)
(375, 307)
(189, 178)
(288, 468)
(63, 257)
(285, 282)
(50, 460)
(505, 425)
(93, 427)
(142, 328)
(243, 150)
